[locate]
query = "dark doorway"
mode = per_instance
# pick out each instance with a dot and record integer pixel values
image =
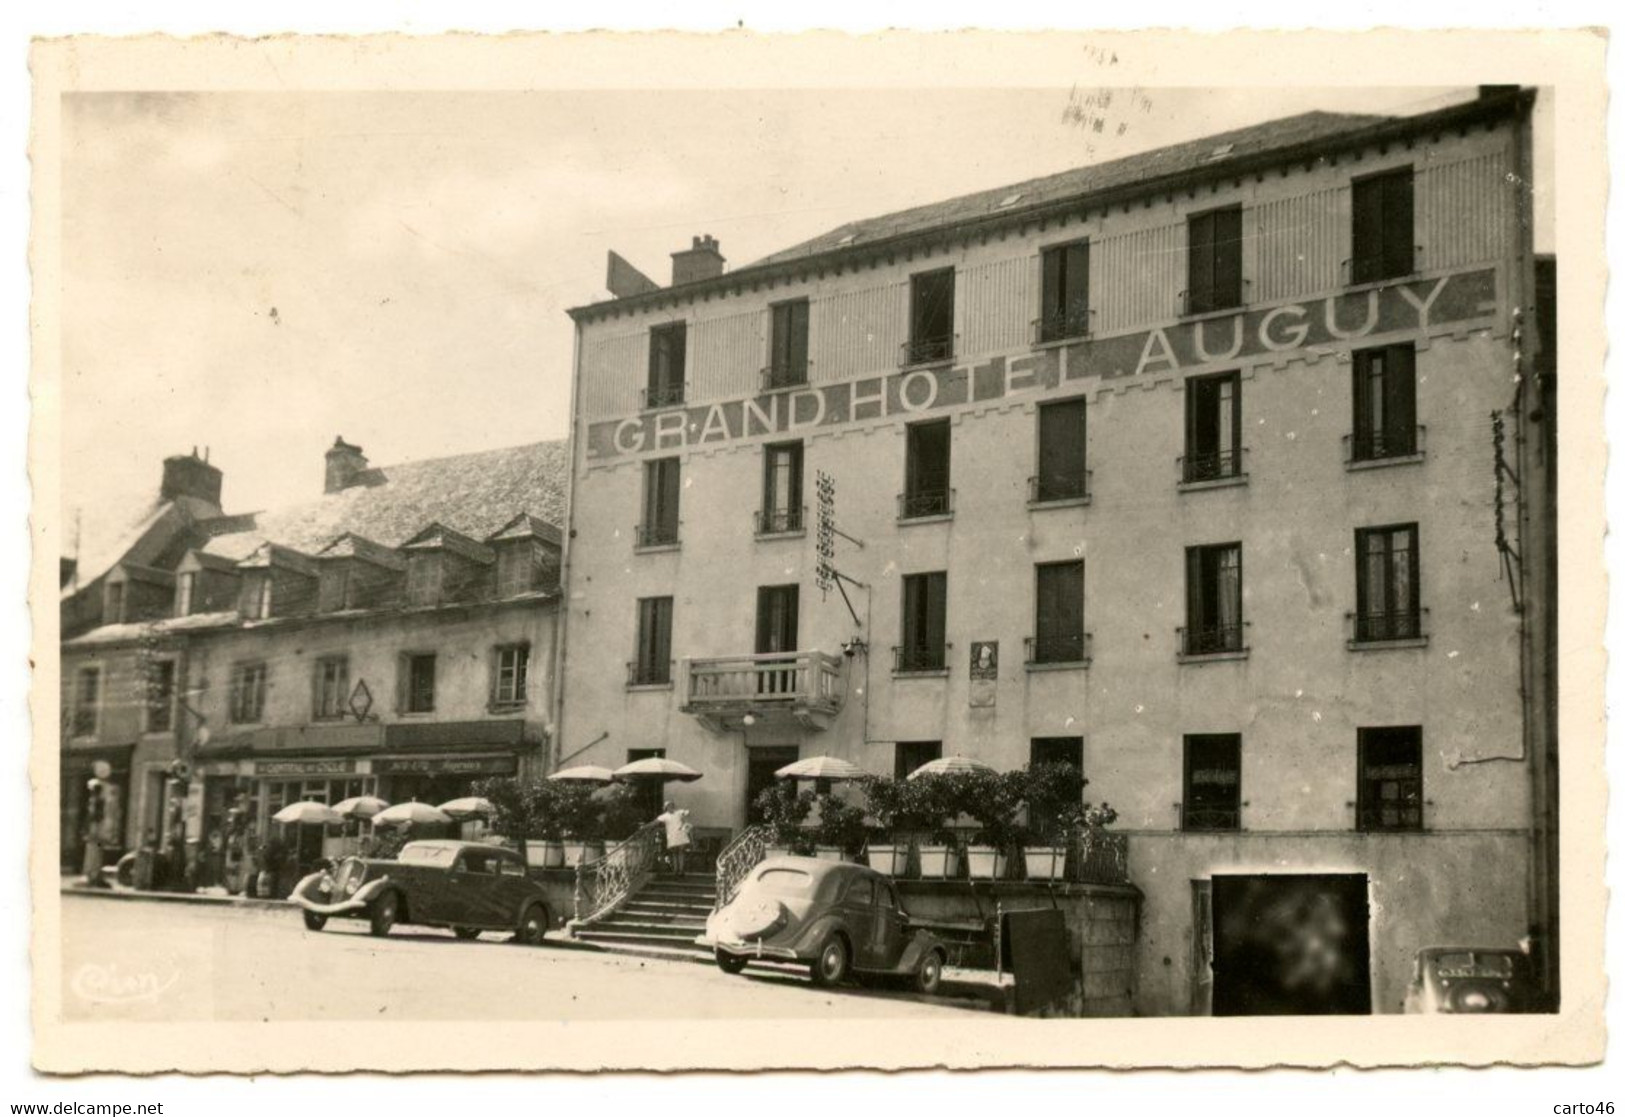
(647, 795)
(1291, 945)
(778, 614)
(759, 773)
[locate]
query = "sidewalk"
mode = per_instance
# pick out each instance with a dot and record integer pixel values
(118, 892)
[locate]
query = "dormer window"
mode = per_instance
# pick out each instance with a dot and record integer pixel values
(185, 583)
(424, 579)
(115, 603)
(333, 593)
(256, 604)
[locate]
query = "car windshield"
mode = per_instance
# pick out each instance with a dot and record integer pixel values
(795, 882)
(1464, 964)
(428, 855)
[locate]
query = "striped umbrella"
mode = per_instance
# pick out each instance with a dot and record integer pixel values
(821, 768)
(946, 764)
(585, 773)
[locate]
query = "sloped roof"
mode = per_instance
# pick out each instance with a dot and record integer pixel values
(475, 494)
(351, 545)
(140, 630)
(1148, 165)
(526, 526)
(439, 537)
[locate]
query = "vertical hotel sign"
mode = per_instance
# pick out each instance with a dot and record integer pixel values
(826, 532)
(1419, 306)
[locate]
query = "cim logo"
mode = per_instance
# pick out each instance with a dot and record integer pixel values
(109, 985)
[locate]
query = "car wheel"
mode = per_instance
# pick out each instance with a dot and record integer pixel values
(833, 961)
(532, 926)
(928, 978)
(315, 921)
(466, 933)
(731, 963)
(385, 909)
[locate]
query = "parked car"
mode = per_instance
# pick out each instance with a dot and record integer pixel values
(840, 919)
(466, 886)
(1471, 979)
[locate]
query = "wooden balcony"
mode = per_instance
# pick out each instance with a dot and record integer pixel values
(802, 687)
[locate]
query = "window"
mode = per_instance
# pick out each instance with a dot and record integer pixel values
(115, 603)
(925, 623)
(1212, 782)
(256, 600)
(788, 358)
(912, 754)
(519, 567)
(1063, 456)
(423, 579)
(1213, 621)
(930, 317)
(86, 701)
(1384, 234)
(927, 471)
(160, 678)
(668, 350)
(1384, 403)
(1388, 590)
(653, 664)
(1064, 310)
(781, 489)
(1057, 750)
(418, 693)
(185, 583)
(1060, 637)
(512, 667)
(1212, 427)
(332, 687)
(662, 483)
(247, 693)
(1214, 261)
(333, 586)
(1390, 794)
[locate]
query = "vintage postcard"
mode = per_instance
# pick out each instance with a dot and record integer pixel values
(972, 550)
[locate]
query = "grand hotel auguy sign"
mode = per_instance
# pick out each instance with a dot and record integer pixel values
(1342, 320)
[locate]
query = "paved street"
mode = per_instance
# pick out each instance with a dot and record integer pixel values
(148, 960)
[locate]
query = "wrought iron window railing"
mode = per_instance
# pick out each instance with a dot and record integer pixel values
(1197, 817)
(1372, 267)
(657, 535)
(1390, 624)
(1061, 326)
(780, 521)
(923, 657)
(1045, 488)
(1066, 647)
(662, 395)
(1191, 305)
(925, 502)
(1375, 445)
(783, 376)
(923, 350)
(1394, 817)
(1213, 639)
(1212, 466)
(648, 674)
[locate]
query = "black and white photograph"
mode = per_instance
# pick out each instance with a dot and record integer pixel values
(566, 538)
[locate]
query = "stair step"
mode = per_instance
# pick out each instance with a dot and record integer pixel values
(640, 925)
(684, 899)
(603, 934)
(661, 915)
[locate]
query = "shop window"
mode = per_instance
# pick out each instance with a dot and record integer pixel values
(668, 351)
(418, 678)
(912, 754)
(925, 623)
(927, 471)
(332, 687)
(185, 584)
(1212, 782)
(86, 701)
(930, 317)
(1064, 308)
(781, 489)
(247, 693)
(652, 667)
(1214, 261)
(1212, 427)
(662, 488)
(1390, 794)
(1389, 588)
(1059, 623)
(1213, 622)
(788, 358)
(1384, 233)
(512, 667)
(1384, 403)
(160, 680)
(1063, 454)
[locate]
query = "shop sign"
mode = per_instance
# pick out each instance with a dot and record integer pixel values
(1419, 306)
(447, 765)
(303, 767)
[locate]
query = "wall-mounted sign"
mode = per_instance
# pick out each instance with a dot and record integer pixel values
(303, 767)
(826, 531)
(449, 765)
(361, 701)
(1418, 306)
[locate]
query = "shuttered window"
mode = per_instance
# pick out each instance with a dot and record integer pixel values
(1064, 311)
(653, 664)
(1212, 427)
(1212, 782)
(332, 687)
(1384, 402)
(512, 667)
(1213, 622)
(1390, 794)
(86, 701)
(1215, 261)
(927, 471)
(1060, 637)
(247, 693)
(931, 317)
(1388, 587)
(418, 679)
(160, 680)
(1384, 233)
(925, 622)
(781, 489)
(662, 484)
(1063, 456)
(668, 351)
(788, 364)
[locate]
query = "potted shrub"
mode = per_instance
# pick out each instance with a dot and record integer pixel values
(839, 833)
(581, 822)
(1054, 795)
(935, 801)
(545, 828)
(783, 812)
(993, 800)
(271, 859)
(522, 808)
(889, 806)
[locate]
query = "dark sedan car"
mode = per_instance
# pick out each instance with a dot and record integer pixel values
(1470, 979)
(465, 886)
(840, 919)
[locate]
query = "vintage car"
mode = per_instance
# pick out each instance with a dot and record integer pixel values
(840, 919)
(1470, 979)
(467, 886)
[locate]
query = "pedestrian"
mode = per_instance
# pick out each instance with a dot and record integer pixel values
(678, 835)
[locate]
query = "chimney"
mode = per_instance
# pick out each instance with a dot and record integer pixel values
(1491, 92)
(702, 261)
(187, 475)
(345, 465)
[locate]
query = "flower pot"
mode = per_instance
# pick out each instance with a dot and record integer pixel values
(1045, 862)
(582, 853)
(890, 858)
(986, 863)
(938, 862)
(829, 853)
(544, 855)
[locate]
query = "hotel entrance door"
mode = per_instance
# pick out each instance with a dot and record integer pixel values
(759, 771)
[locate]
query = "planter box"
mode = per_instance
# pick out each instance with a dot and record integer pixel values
(545, 855)
(1045, 862)
(938, 862)
(986, 863)
(889, 859)
(829, 853)
(582, 853)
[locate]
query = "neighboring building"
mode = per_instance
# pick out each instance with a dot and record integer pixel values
(394, 637)
(1180, 466)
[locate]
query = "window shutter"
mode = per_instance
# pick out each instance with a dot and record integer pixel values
(1195, 614)
(936, 612)
(1199, 295)
(1399, 406)
(1053, 301)
(1399, 232)
(1367, 240)
(1226, 258)
(1077, 287)
(798, 339)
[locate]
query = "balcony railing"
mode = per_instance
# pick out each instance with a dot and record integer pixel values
(922, 503)
(925, 350)
(656, 535)
(783, 376)
(1369, 268)
(804, 683)
(1098, 857)
(1387, 818)
(780, 521)
(1214, 465)
(648, 674)
(920, 658)
(1060, 648)
(1209, 818)
(1062, 326)
(1213, 639)
(662, 395)
(1052, 488)
(1377, 445)
(1189, 305)
(1393, 624)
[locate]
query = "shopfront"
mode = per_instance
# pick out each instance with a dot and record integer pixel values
(110, 767)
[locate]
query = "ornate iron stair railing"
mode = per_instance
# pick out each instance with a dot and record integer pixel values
(609, 882)
(737, 859)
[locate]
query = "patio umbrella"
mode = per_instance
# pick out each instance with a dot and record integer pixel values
(656, 768)
(821, 768)
(468, 806)
(945, 764)
(414, 812)
(309, 811)
(360, 806)
(585, 773)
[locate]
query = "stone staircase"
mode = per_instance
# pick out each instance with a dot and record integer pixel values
(664, 916)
